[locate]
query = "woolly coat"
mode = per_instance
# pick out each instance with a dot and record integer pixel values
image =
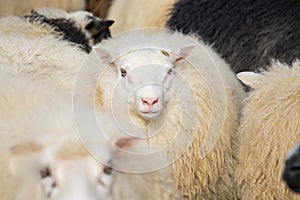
(247, 34)
(15, 7)
(36, 112)
(269, 128)
(202, 171)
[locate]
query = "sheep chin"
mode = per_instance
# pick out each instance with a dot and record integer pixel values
(149, 116)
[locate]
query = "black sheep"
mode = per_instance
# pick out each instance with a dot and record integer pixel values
(247, 33)
(291, 174)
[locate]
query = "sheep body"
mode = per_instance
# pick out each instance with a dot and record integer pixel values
(246, 33)
(29, 51)
(269, 128)
(195, 174)
(42, 134)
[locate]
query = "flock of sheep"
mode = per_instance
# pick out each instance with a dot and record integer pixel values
(206, 109)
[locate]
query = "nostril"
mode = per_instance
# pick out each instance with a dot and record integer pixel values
(144, 101)
(155, 101)
(149, 101)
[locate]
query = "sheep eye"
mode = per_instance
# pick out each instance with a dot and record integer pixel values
(107, 170)
(165, 53)
(45, 172)
(170, 71)
(123, 72)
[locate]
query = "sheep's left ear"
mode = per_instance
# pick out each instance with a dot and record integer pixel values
(251, 79)
(182, 54)
(126, 142)
(104, 56)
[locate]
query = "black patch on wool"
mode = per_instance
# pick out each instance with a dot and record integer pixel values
(246, 33)
(64, 27)
(99, 29)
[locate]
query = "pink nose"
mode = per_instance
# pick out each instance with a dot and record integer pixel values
(149, 101)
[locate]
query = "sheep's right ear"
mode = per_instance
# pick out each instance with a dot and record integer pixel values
(251, 79)
(182, 54)
(104, 56)
(25, 148)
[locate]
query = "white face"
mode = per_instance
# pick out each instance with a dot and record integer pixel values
(42, 176)
(82, 179)
(147, 77)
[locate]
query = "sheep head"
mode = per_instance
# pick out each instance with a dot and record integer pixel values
(291, 172)
(145, 77)
(62, 171)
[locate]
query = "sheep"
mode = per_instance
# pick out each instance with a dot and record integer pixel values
(15, 7)
(269, 127)
(247, 34)
(42, 156)
(132, 14)
(79, 27)
(290, 173)
(214, 182)
(188, 129)
(28, 49)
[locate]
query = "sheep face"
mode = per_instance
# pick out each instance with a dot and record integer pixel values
(62, 172)
(76, 179)
(145, 78)
(291, 174)
(95, 29)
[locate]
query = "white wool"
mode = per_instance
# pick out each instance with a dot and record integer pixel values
(27, 50)
(15, 7)
(219, 98)
(39, 114)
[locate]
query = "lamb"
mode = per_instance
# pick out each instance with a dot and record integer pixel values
(291, 170)
(247, 34)
(145, 74)
(15, 7)
(132, 14)
(269, 127)
(43, 158)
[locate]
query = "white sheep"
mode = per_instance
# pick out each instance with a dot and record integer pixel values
(15, 7)
(192, 111)
(210, 99)
(43, 158)
(34, 51)
(269, 128)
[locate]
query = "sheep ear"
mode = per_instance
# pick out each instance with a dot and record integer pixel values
(106, 23)
(183, 53)
(251, 79)
(25, 148)
(125, 143)
(104, 56)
